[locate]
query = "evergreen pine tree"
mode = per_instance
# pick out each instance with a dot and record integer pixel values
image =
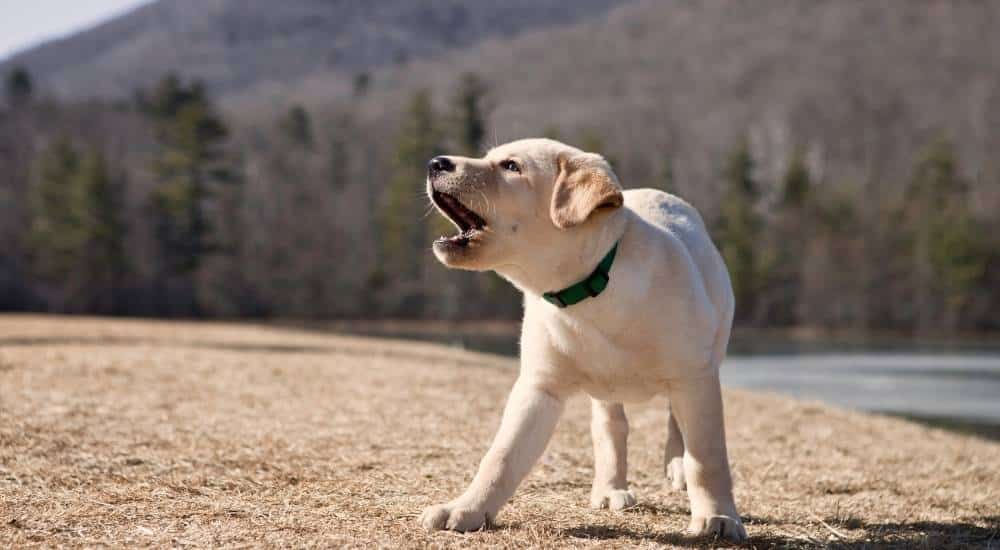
(780, 265)
(105, 262)
(362, 82)
(55, 237)
(77, 232)
(19, 87)
(189, 167)
(404, 228)
(297, 127)
(796, 183)
(739, 229)
(470, 117)
(339, 166)
(948, 248)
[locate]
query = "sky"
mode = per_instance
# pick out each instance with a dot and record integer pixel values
(27, 23)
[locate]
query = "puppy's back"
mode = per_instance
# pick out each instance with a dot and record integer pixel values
(674, 215)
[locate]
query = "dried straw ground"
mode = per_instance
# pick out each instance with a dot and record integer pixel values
(123, 433)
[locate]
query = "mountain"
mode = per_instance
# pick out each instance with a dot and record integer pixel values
(232, 44)
(887, 231)
(859, 86)
(670, 84)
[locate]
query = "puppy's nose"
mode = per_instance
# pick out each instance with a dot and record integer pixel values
(440, 164)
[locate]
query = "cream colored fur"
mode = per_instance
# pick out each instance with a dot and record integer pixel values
(661, 326)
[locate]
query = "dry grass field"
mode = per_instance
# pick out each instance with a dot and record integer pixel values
(140, 433)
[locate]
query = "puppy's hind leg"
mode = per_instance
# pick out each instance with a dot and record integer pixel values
(673, 460)
(697, 404)
(609, 430)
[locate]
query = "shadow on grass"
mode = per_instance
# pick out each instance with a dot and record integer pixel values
(926, 534)
(621, 534)
(918, 534)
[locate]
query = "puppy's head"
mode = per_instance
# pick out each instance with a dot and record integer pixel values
(519, 202)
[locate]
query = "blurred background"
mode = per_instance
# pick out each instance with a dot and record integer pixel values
(264, 160)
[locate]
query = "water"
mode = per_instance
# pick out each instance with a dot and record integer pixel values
(957, 384)
(954, 386)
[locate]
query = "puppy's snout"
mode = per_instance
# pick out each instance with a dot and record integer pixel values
(440, 164)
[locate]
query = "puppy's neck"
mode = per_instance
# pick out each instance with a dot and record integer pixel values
(572, 260)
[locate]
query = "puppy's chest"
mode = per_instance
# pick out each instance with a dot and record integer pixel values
(611, 369)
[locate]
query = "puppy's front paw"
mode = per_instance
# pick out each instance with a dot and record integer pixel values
(453, 517)
(725, 527)
(612, 499)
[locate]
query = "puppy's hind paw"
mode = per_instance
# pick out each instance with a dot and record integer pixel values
(612, 499)
(724, 527)
(675, 473)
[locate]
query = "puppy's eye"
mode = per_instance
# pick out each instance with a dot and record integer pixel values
(510, 166)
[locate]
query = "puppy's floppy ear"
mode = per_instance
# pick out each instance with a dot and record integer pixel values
(584, 184)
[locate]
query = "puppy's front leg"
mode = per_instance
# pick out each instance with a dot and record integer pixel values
(697, 405)
(609, 430)
(528, 421)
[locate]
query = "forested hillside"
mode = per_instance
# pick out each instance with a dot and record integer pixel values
(232, 45)
(843, 153)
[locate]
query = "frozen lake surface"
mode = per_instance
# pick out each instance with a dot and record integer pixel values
(912, 378)
(961, 386)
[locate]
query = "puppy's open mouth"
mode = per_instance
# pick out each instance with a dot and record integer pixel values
(470, 224)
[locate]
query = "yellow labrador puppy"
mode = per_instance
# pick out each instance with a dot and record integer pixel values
(625, 297)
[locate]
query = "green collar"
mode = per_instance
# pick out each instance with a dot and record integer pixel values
(590, 287)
